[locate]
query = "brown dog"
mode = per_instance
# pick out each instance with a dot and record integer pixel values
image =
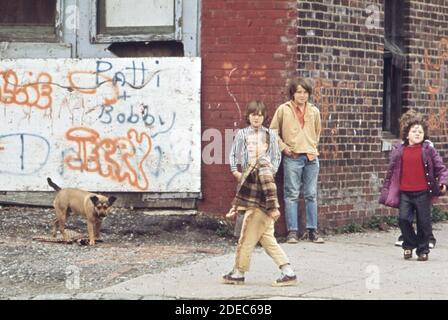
(93, 207)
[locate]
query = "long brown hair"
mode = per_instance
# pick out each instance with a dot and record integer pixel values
(304, 83)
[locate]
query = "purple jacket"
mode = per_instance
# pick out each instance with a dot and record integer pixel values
(435, 172)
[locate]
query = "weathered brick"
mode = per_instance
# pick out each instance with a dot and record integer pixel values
(261, 46)
(241, 42)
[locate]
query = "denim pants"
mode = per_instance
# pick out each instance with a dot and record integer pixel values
(298, 171)
(418, 203)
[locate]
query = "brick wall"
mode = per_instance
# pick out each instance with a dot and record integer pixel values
(341, 48)
(426, 73)
(248, 51)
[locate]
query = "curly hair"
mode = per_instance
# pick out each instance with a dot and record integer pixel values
(410, 119)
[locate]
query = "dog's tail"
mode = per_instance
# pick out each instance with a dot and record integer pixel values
(53, 185)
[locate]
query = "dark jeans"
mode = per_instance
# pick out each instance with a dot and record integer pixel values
(418, 203)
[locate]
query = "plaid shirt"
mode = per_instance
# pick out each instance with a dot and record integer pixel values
(257, 187)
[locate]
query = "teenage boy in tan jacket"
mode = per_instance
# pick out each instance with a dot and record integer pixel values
(299, 126)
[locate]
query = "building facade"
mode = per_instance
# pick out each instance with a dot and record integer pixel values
(370, 61)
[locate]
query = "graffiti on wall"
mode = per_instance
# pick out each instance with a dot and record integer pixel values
(110, 157)
(239, 79)
(29, 91)
(21, 162)
(436, 75)
(108, 124)
(326, 96)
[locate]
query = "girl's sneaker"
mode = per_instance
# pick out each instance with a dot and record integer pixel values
(407, 254)
(432, 243)
(399, 241)
(422, 257)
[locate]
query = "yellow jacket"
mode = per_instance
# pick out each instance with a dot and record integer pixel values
(291, 134)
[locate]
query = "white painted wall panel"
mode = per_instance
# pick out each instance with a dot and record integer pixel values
(102, 125)
(139, 13)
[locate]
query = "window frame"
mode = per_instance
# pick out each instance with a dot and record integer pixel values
(393, 72)
(392, 95)
(23, 33)
(135, 33)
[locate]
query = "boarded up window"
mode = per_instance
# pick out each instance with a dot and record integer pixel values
(28, 20)
(138, 20)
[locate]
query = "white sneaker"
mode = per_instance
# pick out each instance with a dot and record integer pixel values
(399, 241)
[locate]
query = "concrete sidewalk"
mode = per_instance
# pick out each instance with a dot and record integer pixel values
(352, 266)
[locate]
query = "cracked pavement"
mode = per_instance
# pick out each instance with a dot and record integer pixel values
(349, 266)
(181, 264)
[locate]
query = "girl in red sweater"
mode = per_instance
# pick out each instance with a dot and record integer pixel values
(416, 174)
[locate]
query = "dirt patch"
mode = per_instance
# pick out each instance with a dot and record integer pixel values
(134, 244)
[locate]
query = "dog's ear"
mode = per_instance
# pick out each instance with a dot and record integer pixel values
(111, 200)
(94, 199)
